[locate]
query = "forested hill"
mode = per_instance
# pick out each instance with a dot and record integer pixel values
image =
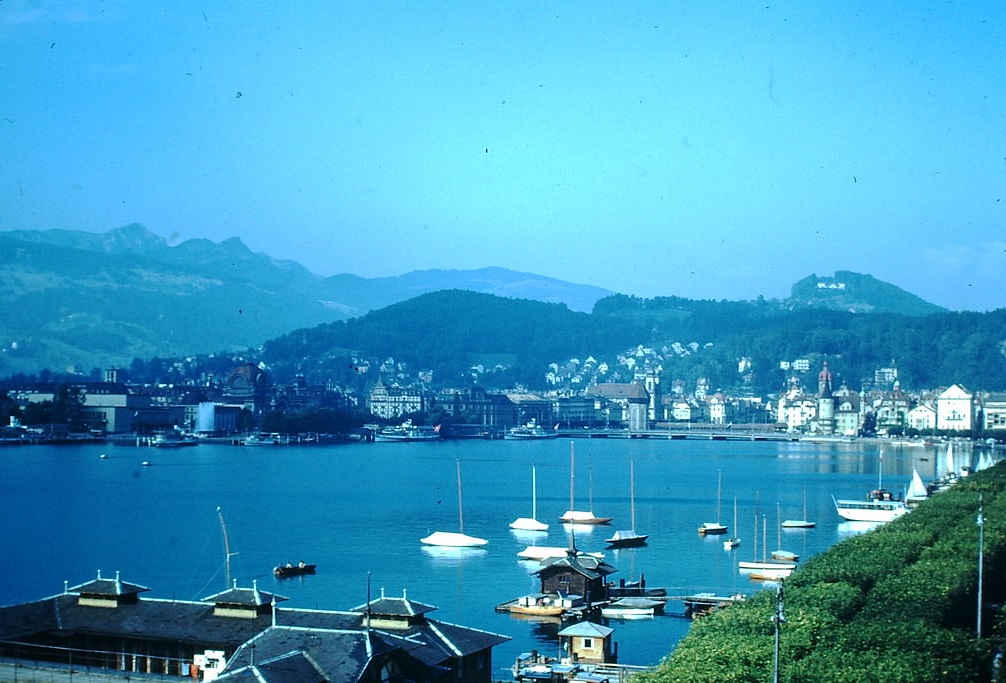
(461, 336)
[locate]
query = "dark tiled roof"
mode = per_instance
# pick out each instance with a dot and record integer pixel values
(395, 607)
(588, 566)
(247, 597)
(110, 587)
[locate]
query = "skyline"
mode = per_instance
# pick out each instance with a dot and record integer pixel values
(709, 152)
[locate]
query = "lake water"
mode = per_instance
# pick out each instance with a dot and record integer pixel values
(360, 509)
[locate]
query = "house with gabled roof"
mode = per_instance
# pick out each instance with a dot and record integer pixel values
(955, 409)
(239, 634)
(576, 574)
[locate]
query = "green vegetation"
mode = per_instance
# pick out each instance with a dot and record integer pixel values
(897, 605)
(449, 331)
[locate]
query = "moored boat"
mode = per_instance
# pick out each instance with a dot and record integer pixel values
(632, 608)
(531, 430)
(288, 570)
(407, 432)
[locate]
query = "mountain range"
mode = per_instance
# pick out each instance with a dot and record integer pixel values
(76, 300)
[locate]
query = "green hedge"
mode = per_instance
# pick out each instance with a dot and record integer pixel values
(897, 604)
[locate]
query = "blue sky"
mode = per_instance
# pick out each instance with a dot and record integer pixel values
(705, 150)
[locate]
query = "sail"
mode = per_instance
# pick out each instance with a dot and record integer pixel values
(917, 489)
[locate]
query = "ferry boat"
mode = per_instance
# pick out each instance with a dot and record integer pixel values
(879, 506)
(531, 430)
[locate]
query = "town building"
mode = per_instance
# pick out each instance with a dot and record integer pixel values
(994, 413)
(955, 410)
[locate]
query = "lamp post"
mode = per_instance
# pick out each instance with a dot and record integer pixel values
(777, 619)
(981, 552)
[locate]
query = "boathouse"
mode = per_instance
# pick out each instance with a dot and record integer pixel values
(104, 625)
(588, 642)
(576, 574)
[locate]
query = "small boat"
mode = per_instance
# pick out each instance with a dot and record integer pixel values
(531, 523)
(263, 439)
(531, 430)
(290, 570)
(733, 541)
(572, 515)
(629, 538)
(455, 539)
(544, 604)
(145, 463)
(799, 523)
(633, 608)
(173, 439)
(715, 528)
(779, 553)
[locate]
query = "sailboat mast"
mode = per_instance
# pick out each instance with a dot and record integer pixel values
(461, 518)
(534, 492)
(632, 494)
(227, 546)
(719, 493)
(572, 475)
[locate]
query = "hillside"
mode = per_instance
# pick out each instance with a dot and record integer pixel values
(78, 300)
(514, 342)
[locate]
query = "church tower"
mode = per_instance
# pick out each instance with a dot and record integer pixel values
(825, 402)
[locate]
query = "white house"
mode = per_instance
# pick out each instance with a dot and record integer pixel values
(955, 410)
(922, 417)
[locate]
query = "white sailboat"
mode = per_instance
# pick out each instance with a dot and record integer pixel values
(572, 515)
(629, 538)
(917, 491)
(733, 541)
(531, 523)
(455, 539)
(779, 553)
(803, 523)
(780, 568)
(712, 528)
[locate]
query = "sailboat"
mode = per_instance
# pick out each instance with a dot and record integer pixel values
(531, 523)
(803, 523)
(710, 528)
(572, 515)
(455, 539)
(764, 565)
(917, 491)
(628, 538)
(779, 553)
(733, 541)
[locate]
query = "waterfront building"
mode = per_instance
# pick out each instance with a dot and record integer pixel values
(955, 410)
(239, 634)
(627, 404)
(994, 413)
(922, 417)
(394, 401)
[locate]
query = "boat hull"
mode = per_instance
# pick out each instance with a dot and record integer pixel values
(870, 510)
(453, 539)
(289, 571)
(583, 517)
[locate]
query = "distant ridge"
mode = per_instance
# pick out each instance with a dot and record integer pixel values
(79, 300)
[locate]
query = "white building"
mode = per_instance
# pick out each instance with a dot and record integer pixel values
(955, 410)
